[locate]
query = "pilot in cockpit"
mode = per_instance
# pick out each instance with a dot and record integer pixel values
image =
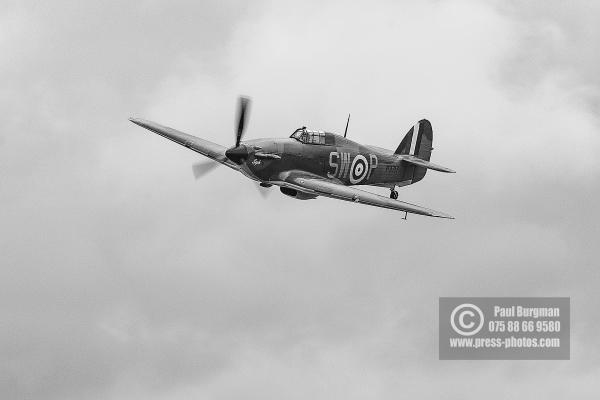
(306, 136)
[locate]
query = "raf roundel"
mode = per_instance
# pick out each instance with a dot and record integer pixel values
(359, 169)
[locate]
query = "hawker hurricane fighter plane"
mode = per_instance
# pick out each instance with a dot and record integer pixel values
(312, 163)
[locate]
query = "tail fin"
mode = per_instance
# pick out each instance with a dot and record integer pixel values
(418, 141)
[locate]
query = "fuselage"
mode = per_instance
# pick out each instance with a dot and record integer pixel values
(334, 157)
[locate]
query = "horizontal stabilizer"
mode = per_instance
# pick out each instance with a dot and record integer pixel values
(426, 164)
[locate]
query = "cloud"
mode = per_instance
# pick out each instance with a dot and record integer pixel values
(123, 277)
(555, 41)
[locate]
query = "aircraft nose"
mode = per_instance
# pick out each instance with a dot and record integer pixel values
(237, 154)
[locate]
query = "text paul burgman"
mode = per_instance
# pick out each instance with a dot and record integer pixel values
(526, 312)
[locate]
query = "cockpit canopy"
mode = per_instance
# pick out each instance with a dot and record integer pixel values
(304, 135)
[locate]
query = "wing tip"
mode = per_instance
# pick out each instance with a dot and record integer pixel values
(151, 126)
(136, 121)
(442, 215)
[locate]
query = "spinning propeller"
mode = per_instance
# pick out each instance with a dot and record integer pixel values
(239, 152)
(203, 167)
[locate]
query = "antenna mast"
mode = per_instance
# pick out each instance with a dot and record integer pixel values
(347, 122)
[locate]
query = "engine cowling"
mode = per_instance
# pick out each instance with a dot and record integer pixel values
(297, 194)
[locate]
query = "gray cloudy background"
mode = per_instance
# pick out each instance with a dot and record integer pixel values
(121, 277)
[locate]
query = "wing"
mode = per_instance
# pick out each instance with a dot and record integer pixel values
(322, 187)
(204, 147)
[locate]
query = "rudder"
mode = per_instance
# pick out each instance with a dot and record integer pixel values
(419, 144)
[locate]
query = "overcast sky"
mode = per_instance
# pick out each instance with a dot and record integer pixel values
(122, 277)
